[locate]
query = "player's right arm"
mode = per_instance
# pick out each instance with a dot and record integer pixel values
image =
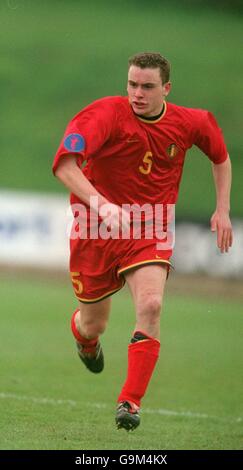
(88, 131)
(69, 173)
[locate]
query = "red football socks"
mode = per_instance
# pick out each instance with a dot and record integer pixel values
(142, 358)
(89, 344)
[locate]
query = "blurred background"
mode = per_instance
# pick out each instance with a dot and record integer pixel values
(59, 56)
(56, 57)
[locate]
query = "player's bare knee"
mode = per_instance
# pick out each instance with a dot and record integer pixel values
(92, 328)
(150, 307)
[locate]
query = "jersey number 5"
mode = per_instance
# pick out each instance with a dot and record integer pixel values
(147, 163)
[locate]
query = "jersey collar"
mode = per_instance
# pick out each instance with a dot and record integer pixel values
(148, 121)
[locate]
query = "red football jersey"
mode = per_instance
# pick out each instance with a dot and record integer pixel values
(134, 160)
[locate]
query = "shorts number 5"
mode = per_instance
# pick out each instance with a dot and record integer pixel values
(77, 284)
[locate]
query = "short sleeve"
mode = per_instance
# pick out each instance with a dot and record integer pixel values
(88, 131)
(209, 137)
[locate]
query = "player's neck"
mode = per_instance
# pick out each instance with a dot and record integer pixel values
(151, 118)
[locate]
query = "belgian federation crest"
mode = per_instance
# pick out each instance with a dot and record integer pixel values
(172, 150)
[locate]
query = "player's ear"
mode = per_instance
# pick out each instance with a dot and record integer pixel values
(167, 88)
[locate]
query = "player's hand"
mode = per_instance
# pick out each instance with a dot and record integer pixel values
(115, 217)
(220, 223)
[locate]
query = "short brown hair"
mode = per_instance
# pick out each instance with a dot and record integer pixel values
(152, 60)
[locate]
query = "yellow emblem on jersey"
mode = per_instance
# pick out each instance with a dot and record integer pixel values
(172, 150)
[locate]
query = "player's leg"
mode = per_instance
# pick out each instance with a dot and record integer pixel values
(88, 323)
(94, 280)
(147, 286)
(92, 318)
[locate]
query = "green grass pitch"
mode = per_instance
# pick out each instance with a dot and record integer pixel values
(49, 401)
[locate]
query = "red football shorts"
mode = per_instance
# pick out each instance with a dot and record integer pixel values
(97, 267)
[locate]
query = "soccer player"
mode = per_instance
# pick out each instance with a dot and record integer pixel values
(134, 148)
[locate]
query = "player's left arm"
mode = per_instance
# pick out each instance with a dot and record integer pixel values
(220, 220)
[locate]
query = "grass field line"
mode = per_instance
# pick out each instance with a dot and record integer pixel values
(158, 411)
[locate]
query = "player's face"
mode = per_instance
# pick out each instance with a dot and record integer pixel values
(146, 92)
